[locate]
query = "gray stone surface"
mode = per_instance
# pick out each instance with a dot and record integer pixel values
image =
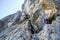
(29, 25)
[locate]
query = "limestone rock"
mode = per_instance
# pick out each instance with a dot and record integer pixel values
(29, 24)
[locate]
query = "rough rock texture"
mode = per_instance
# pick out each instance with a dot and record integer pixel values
(29, 25)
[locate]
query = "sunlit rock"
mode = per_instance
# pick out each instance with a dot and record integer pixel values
(39, 20)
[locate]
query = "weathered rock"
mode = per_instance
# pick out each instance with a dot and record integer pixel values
(29, 24)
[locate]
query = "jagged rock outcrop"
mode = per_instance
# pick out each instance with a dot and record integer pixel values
(29, 24)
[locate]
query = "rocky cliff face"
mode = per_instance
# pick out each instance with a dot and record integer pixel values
(29, 25)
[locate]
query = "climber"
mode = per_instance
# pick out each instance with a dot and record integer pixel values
(49, 20)
(49, 17)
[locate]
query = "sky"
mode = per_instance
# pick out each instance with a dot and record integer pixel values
(8, 7)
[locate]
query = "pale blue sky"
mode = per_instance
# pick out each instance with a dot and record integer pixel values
(8, 7)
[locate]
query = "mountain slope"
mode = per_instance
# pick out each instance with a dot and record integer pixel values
(29, 24)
